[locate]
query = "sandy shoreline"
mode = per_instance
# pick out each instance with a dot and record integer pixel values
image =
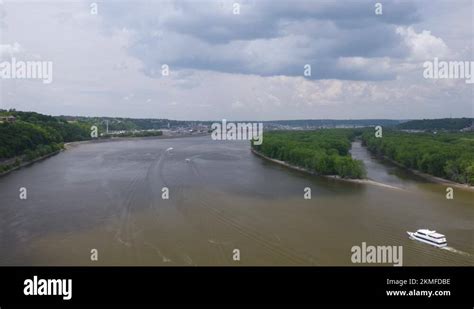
(336, 177)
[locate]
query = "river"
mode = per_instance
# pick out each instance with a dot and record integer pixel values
(108, 196)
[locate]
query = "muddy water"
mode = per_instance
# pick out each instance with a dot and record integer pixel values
(108, 196)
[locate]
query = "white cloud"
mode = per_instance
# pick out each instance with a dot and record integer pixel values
(247, 68)
(423, 45)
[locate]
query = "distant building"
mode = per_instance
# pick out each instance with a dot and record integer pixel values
(10, 119)
(468, 129)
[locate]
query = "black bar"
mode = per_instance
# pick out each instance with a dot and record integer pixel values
(239, 285)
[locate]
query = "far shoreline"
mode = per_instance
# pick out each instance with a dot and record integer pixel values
(71, 145)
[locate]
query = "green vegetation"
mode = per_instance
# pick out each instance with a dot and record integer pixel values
(9, 166)
(127, 124)
(446, 155)
(335, 123)
(450, 124)
(32, 135)
(325, 152)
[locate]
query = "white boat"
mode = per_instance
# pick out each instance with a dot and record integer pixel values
(429, 237)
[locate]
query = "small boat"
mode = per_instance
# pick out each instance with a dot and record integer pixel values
(429, 237)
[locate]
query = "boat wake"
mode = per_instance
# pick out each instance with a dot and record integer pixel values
(453, 250)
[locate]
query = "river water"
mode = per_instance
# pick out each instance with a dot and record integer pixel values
(108, 196)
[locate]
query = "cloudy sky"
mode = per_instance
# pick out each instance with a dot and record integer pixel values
(238, 66)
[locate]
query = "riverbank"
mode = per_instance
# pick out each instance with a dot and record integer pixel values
(26, 163)
(444, 158)
(431, 178)
(336, 177)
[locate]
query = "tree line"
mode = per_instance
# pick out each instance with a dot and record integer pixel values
(446, 155)
(449, 124)
(34, 135)
(324, 152)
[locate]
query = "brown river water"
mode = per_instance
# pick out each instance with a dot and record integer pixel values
(108, 196)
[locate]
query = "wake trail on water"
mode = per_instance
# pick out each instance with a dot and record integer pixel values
(453, 250)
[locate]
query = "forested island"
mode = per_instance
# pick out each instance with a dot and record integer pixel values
(324, 152)
(449, 155)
